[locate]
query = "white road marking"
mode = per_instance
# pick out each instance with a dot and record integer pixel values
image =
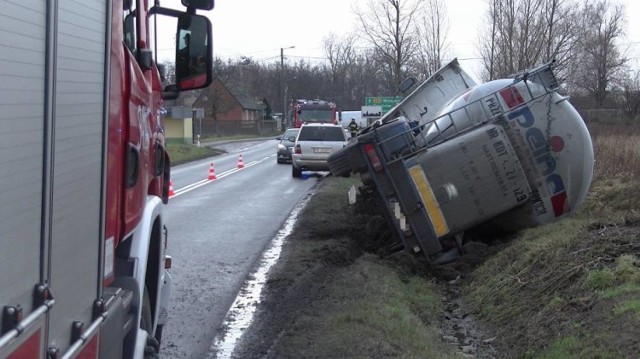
(196, 185)
(242, 311)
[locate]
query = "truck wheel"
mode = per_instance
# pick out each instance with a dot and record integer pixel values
(158, 335)
(145, 320)
(295, 172)
(152, 346)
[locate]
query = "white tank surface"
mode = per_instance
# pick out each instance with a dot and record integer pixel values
(548, 135)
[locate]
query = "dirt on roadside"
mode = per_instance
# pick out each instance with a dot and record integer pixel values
(333, 244)
(337, 291)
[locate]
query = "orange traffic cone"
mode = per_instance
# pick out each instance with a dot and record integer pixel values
(212, 173)
(240, 162)
(171, 192)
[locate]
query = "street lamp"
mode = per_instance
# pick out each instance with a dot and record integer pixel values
(282, 90)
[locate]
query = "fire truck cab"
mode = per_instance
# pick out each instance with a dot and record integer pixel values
(313, 111)
(84, 173)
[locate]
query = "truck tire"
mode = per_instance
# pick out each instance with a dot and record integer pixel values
(145, 317)
(295, 172)
(152, 347)
(158, 335)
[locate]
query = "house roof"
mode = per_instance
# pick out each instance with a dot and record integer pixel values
(247, 102)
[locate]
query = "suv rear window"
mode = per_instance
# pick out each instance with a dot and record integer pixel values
(321, 133)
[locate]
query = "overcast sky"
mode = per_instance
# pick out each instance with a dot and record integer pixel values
(259, 28)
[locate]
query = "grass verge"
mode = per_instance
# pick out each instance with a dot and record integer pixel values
(570, 289)
(183, 153)
(180, 152)
(564, 290)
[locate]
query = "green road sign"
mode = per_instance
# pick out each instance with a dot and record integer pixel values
(386, 102)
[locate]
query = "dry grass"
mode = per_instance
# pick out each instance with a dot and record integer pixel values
(569, 289)
(617, 150)
(182, 153)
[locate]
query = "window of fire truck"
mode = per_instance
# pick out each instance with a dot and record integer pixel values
(130, 35)
(315, 115)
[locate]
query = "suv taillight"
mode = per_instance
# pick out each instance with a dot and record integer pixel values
(373, 157)
(297, 150)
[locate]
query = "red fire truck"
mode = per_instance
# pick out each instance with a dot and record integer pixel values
(84, 173)
(313, 111)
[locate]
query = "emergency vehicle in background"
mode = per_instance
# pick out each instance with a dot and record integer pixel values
(313, 111)
(84, 173)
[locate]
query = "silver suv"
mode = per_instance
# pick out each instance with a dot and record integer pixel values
(315, 142)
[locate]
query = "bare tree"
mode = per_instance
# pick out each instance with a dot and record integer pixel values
(599, 61)
(523, 33)
(432, 41)
(630, 93)
(341, 55)
(387, 25)
(169, 73)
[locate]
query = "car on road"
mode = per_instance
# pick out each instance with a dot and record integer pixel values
(285, 146)
(314, 144)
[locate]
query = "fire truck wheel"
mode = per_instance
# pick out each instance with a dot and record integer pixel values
(159, 333)
(153, 346)
(145, 320)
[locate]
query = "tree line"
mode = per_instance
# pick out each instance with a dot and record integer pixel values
(398, 39)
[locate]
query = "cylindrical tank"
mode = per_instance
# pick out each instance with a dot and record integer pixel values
(549, 137)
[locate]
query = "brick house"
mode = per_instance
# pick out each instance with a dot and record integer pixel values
(228, 110)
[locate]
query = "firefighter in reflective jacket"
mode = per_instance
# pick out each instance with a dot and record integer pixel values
(353, 127)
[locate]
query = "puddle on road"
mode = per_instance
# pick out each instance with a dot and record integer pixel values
(242, 311)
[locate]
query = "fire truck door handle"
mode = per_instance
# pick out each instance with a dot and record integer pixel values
(133, 165)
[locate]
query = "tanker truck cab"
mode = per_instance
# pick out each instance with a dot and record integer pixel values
(84, 260)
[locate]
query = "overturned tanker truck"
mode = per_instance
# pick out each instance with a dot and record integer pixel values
(455, 156)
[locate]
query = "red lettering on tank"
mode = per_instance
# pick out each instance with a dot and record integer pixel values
(511, 97)
(560, 204)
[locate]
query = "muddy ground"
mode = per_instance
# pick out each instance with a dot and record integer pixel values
(333, 293)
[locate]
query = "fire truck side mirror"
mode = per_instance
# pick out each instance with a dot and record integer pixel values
(193, 52)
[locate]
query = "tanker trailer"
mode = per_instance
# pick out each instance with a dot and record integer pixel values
(455, 155)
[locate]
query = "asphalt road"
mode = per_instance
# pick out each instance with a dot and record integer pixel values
(217, 231)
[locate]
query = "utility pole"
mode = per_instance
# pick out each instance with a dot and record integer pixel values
(282, 90)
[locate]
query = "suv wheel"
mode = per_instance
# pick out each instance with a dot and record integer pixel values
(295, 172)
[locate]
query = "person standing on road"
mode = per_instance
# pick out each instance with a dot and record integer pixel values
(353, 127)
